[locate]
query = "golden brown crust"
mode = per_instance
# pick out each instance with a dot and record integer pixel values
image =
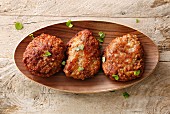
(124, 56)
(87, 58)
(34, 58)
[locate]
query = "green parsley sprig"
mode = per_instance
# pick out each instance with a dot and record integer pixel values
(116, 77)
(101, 37)
(80, 69)
(31, 35)
(18, 25)
(126, 95)
(63, 63)
(47, 53)
(136, 73)
(69, 24)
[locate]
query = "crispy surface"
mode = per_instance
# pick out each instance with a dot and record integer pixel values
(123, 55)
(34, 58)
(83, 63)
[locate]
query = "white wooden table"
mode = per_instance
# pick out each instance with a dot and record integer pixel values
(19, 95)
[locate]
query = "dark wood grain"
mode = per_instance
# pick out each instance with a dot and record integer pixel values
(100, 82)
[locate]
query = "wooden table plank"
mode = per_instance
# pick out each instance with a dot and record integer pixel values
(104, 8)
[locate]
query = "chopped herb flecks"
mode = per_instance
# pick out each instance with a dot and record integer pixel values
(63, 63)
(31, 35)
(136, 73)
(18, 25)
(103, 59)
(116, 77)
(126, 95)
(80, 69)
(80, 47)
(47, 53)
(101, 34)
(137, 21)
(68, 23)
(100, 40)
(101, 37)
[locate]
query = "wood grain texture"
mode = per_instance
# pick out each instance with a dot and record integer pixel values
(19, 95)
(100, 83)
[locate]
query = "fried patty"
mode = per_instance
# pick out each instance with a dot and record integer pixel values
(83, 56)
(43, 55)
(123, 58)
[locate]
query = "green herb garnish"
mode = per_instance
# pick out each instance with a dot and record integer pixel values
(18, 25)
(80, 69)
(68, 23)
(137, 21)
(136, 73)
(47, 53)
(80, 47)
(63, 63)
(31, 35)
(101, 34)
(115, 76)
(126, 95)
(103, 59)
(100, 40)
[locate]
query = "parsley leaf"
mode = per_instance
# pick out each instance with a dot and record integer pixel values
(103, 59)
(18, 25)
(68, 24)
(63, 63)
(80, 47)
(115, 76)
(100, 40)
(80, 69)
(47, 53)
(31, 35)
(101, 34)
(136, 73)
(126, 95)
(137, 21)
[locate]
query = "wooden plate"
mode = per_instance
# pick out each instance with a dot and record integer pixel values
(100, 82)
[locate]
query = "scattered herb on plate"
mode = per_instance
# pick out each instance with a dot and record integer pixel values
(63, 63)
(31, 35)
(126, 95)
(103, 59)
(101, 37)
(80, 47)
(69, 24)
(80, 69)
(18, 25)
(136, 73)
(115, 76)
(137, 21)
(47, 53)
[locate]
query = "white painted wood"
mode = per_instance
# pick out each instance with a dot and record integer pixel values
(19, 95)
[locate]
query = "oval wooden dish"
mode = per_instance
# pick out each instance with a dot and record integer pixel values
(100, 82)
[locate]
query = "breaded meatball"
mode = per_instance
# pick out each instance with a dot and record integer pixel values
(123, 58)
(43, 55)
(83, 56)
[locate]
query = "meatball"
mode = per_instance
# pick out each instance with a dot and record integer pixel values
(43, 55)
(123, 58)
(83, 56)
